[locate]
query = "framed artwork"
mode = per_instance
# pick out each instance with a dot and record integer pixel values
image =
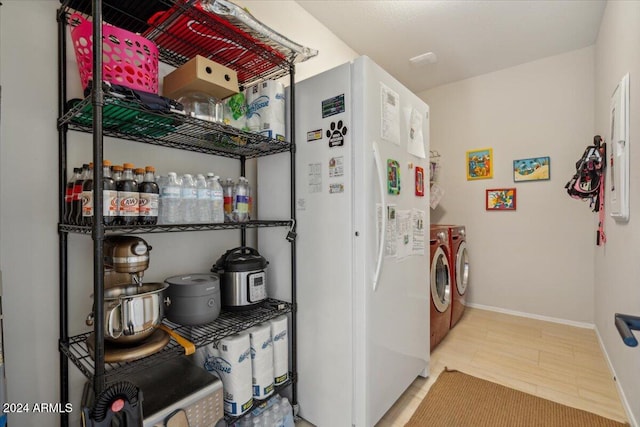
(501, 199)
(532, 169)
(393, 176)
(479, 164)
(419, 181)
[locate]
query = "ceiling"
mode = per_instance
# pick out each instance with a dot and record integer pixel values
(469, 38)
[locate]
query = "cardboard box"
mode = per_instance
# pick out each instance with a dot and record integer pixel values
(201, 75)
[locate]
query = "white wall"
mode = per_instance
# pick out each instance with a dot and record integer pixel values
(617, 273)
(536, 259)
(28, 190)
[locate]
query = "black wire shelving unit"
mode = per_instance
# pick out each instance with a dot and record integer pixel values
(106, 113)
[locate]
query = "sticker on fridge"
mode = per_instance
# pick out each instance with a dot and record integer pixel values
(314, 135)
(333, 106)
(314, 177)
(336, 188)
(419, 181)
(390, 114)
(336, 133)
(336, 167)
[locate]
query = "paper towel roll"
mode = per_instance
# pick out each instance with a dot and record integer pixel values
(272, 115)
(261, 360)
(280, 338)
(254, 104)
(230, 358)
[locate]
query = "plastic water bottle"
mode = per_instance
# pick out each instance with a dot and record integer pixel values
(203, 200)
(188, 198)
(241, 200)
(287, 413)
(228, 194)
(170, 200)
(217, 200)
(278, 418)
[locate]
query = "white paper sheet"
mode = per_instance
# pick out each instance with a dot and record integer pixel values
(415, 137)
(391, 238)
(315, 177)
(390, 114)
(405, 234)
(419, 219)
(435, 195)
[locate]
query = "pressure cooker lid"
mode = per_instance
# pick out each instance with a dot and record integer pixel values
(240, 259)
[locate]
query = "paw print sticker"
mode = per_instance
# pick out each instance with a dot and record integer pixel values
(336, 134)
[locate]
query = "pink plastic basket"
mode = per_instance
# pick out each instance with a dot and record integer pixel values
(127, 59)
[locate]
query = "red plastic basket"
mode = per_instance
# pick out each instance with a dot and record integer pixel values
(127, 59)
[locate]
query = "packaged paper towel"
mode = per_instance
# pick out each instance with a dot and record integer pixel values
(272, 111)
(254, 103)
(230, 358)
(261, 360)
(280, 338)
(235, 111)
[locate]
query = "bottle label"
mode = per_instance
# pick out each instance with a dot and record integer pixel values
(77, 192)
(68, 195)
(217, 195)
(189, 193)
(87, 203)
(148, 204)
(228, 204)
(128, 203)
(171, 193)
(109, 203)
(204, 193)
(242, 204)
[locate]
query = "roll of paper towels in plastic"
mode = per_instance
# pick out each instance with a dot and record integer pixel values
(262, 360)
(254, 104)
(230, 358)
(280, 338)
(235, 111)
(272, 110)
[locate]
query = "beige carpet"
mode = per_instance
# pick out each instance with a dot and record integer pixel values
(460, 400)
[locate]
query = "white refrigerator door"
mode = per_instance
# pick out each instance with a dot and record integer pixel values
(324, 248)
(391, 319)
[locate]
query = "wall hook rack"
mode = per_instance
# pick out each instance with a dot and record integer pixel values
(625, 324)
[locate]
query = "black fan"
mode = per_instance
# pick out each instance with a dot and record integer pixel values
(122, 402)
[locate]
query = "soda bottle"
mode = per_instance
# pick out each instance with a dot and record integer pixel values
(148, 200)
(68, 196)
(188, 197)
(76, 203)
(128, 208)
(241, 200)
(227, 190)
(171, 200)
(217, 200)
(109, 195)
(86, 199)
(203, 199)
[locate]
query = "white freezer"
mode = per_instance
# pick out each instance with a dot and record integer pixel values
(359, 348)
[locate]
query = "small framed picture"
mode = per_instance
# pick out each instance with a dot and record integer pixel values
(419, 181)
(501, 199)
(393, 176)
(532, 169)
(479, 164)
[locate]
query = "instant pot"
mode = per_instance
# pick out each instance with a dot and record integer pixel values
(242, 278)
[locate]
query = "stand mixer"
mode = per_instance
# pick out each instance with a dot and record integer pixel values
(125, 259)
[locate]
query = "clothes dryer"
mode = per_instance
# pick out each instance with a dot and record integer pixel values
(459, 271)
(440, 284)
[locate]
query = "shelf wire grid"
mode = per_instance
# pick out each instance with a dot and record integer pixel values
(167, 228)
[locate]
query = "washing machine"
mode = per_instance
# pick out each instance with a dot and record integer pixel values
(440, 284)
(459, 271)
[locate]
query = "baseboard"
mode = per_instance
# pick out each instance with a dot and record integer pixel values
(623, 398)
(533, 316)
(625, 403)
